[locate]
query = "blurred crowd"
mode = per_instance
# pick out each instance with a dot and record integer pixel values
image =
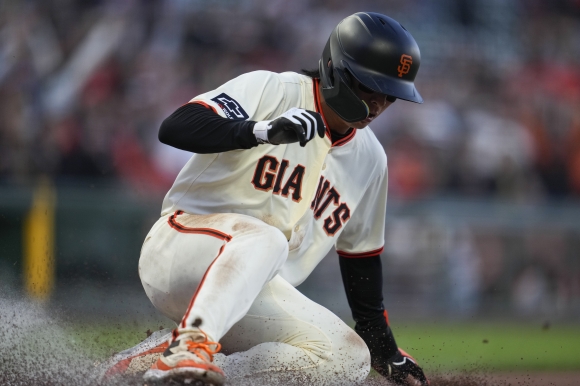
(84, 86)
(435, 265)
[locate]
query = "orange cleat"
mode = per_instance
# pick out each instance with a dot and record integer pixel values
(187, 360)
(139, 358)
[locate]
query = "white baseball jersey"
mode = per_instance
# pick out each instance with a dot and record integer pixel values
(320, 195)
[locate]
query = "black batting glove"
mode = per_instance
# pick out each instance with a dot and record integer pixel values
(400, 366)
(295, 125)
(389, 360)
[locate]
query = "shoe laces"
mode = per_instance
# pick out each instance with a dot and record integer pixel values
(194, 347)
(204, 346)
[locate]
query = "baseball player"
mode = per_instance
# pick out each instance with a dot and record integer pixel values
(284, 168)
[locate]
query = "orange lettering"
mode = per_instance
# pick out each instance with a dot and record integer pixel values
(406, 61)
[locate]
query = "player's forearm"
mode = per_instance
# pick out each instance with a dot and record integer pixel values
(196, 128)
(363, 283)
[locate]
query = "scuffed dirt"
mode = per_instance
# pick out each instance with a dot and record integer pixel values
(36, 350)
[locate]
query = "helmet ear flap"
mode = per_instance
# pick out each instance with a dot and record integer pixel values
(326, 68)
(347, 78)
(342, 100)
(330, 70)
(336, 89)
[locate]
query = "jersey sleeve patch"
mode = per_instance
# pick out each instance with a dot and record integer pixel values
(230, 107)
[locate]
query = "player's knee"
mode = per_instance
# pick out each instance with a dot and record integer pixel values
(353, 354)
(273, 239)
(280, 240)
(260, 233)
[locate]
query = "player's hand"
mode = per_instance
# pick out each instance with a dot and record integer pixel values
(400, 367)
(295, 125)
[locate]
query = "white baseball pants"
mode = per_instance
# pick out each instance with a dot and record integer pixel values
(222, 269)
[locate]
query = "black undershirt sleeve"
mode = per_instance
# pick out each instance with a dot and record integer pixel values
(363, 283)
(196, 128)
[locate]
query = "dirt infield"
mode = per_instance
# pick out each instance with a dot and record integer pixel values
(36, 350)
(503, 379)
(498, 379)
(536, 379)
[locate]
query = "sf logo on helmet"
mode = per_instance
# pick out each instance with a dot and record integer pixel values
(406, 61)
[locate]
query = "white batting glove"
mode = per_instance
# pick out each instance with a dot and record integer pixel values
(295, 125)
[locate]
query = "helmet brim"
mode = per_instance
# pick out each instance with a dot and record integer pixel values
(385, 84)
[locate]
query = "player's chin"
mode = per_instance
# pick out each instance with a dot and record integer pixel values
(365, 122)
(360, 124)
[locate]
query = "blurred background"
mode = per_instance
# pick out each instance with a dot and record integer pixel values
(483, 220)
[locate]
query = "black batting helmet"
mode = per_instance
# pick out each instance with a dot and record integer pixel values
(376, 50)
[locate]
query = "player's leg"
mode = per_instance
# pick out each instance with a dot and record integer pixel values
(286, 336)
(205, 271)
